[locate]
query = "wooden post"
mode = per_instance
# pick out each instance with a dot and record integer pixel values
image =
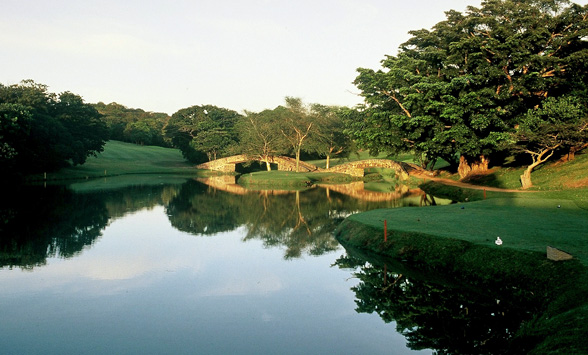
(385, 231)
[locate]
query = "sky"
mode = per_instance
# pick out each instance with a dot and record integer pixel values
(165, 55)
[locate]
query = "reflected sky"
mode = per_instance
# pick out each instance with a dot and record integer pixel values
(145, 287)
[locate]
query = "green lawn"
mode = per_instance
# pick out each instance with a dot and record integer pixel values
(119, 158)
(522, 223)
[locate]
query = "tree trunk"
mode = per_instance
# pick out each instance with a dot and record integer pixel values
(478, 166)
(538, 159)
(297, 159)
(328, 161)
(267, 163)
(526, 177)
(572, 152)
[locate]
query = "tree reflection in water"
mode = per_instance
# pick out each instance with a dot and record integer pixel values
(436, 313)
(53, 221)
(37, 223)
(302, 222)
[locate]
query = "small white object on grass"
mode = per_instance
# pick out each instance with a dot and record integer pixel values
(498, 241)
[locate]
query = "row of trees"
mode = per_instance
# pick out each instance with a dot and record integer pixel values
(208, 132)
(508, 77)
(42, 131)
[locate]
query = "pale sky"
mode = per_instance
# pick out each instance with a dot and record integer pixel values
(164, 55)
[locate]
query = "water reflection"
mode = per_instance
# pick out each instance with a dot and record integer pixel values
(141, 249)
(41, 222)
(433, 312)
(37, 223)
(301, 222)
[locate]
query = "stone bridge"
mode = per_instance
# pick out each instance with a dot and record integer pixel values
(356, 168)
(284, 163)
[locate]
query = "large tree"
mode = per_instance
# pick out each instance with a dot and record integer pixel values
(461, 88)
(329, 138)
(296, 126)
(86, 132)
(44, 131)
(560, 123)
(203, 132)
(259, 135)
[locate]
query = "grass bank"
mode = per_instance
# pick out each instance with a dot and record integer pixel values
(523, 224)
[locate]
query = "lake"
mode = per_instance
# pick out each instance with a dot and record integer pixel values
(176, 266)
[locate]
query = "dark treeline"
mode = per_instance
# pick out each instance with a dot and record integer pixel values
(42, 131)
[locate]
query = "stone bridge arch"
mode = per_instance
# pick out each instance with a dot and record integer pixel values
(356, 168)
(228, 164)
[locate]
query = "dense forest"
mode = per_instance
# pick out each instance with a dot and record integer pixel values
(506, 80)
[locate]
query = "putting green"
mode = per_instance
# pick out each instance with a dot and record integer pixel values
(521, 223)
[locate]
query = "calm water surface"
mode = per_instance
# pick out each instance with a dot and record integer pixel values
(208, 268)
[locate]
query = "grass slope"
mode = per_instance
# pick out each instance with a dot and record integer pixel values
(119, 158)
(549, 176)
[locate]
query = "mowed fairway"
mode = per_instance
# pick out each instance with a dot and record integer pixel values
(521, 223)
(119, 158)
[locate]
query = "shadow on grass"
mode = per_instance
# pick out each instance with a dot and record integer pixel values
(491, 180)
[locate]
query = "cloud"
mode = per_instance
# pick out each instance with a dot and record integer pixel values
(254, 285)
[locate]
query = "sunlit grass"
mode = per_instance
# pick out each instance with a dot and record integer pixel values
(119, 158)
(522, 223)
(549, 176)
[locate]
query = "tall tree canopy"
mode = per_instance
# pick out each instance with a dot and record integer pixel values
(42, 131)
(294, 128)
(203, 132)
(329, 139)
(259, 135)
(296, 125)
(461, 88)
